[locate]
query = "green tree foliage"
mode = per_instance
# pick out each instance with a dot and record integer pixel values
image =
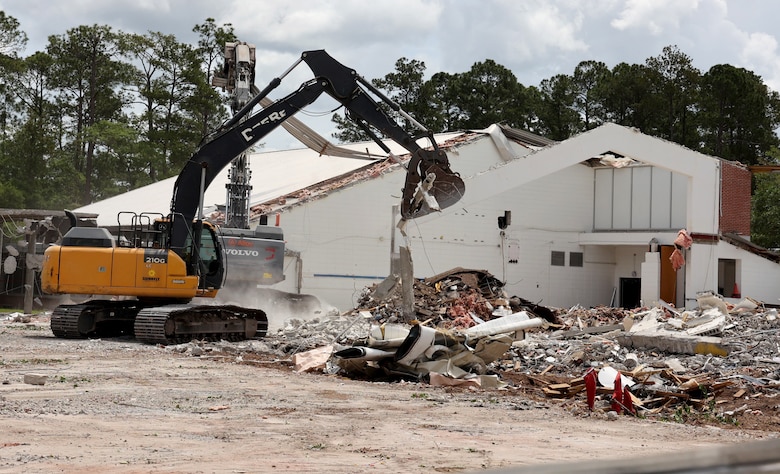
(33, 144)
(558, 116)
(205, 99)
(167, 75)
(88, 74)
(12, 39)
(589, 88)
(348, 131)
(444, 99)
(407, 88)
(487, 93)
(676, 83)
(765, 218)
(101, 112)
(739, 114)
(627, 96)
(211, 43)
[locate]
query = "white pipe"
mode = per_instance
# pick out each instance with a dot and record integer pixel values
(506, 324)
(363, 353)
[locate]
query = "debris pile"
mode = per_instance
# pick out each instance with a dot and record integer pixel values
(706, 360)
(457, 299)
(469, 333)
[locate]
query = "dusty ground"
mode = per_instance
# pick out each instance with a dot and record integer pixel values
(119, 406)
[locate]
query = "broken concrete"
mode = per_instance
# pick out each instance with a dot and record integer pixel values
(674, 343)
(35, 379)
(675, 370)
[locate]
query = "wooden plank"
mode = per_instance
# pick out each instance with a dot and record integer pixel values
(683, 396)
(658, 409)
(721, 385)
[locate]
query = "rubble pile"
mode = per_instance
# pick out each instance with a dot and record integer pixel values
(469, 333)
(459, 298)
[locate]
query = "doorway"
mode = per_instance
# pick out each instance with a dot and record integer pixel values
(630, 292)
(668, 276)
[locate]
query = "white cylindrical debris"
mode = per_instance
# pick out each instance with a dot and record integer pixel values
(419, 340)
(363, 353)
(507, 324)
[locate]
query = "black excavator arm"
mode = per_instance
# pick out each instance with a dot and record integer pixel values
(430, 184)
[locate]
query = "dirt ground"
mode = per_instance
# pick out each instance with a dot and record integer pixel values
(116, 405)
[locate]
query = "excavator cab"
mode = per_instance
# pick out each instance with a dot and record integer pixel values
(203, 256)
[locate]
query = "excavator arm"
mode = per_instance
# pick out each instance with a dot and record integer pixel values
(430, 185)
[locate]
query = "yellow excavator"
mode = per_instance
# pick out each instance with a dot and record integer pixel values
(143, 283)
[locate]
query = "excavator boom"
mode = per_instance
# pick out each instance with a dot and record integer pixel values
(430, 184)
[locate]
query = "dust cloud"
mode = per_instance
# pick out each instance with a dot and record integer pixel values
(279, 306)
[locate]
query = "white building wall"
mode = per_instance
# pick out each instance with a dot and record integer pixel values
(640, 198)
(344, 240)
(759, 278)
(651, 278)
(546, 214)
(701, 271)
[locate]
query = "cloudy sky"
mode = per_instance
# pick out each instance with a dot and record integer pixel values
(536, 39)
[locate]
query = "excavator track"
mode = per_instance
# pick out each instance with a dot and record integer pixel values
(169, 324)
(65, 321)
(96, 318)
(176, 324)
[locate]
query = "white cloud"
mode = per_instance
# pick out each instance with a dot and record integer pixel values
(535, 39)
(366, 36)
(759, 54)
(655, 16)
(350, 23)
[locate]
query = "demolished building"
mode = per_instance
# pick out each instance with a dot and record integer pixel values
(591, 220)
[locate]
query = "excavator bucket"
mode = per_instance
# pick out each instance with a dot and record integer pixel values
(430, 187)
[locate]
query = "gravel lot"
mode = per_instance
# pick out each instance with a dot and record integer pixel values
(119, 406)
